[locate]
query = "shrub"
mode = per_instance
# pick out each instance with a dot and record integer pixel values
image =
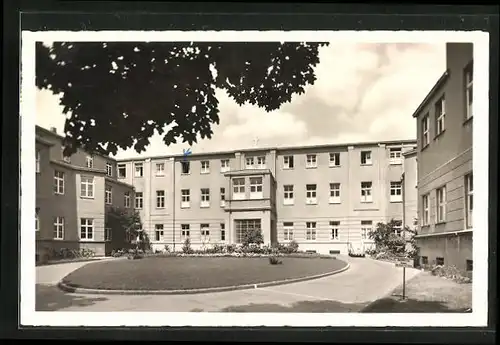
(230, 248)
(293, 247)
(252, 236)
(186, 248)
(167, 248)
(273, 260)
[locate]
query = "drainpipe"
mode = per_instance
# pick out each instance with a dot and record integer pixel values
(404, 205)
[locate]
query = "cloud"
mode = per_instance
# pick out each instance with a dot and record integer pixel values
(363, 92)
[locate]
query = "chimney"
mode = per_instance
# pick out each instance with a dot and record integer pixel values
(53, 130)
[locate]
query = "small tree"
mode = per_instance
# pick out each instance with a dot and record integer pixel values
(186, 248)
(252, 236)
(127, 227)
(388, 241)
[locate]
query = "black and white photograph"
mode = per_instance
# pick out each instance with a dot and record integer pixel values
(253, 178)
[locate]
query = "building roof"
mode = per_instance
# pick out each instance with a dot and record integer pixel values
(276, 148)
(431, 93)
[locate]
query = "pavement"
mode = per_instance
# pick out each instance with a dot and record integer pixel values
(350, 291)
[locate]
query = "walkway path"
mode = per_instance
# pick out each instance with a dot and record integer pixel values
(365, 281)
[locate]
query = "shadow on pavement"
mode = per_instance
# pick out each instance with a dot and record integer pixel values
(396, 305)
(51, 298)
(322, 306)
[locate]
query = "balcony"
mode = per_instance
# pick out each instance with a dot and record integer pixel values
(249, 205)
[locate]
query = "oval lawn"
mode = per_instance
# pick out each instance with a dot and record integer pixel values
(182, 273)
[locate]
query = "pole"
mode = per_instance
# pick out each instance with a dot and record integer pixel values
(404, 274)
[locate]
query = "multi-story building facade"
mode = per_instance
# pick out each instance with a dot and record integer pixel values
(444, 156)
(72, 196)
(323, 197)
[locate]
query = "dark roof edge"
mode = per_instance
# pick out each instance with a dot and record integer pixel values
(431, 93)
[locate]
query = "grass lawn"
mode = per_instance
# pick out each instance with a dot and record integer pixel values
(426, 293)
(172, 273)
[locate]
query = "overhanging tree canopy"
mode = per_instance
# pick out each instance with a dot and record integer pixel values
(118, 93)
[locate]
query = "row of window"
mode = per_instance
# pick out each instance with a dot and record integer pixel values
(440, 109)
(89, 163)
(440, 261)
(86, 228)
(186, 232)
(257, 193)
(441, 202)
(259, 162)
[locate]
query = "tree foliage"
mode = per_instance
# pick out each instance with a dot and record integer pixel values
(126, 224)
(252, 237)
(388, 241)
(116, 94)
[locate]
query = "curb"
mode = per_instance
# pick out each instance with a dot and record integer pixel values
(68, 288)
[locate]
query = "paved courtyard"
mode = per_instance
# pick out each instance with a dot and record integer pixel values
(365, 281)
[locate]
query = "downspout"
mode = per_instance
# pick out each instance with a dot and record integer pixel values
(404, 205)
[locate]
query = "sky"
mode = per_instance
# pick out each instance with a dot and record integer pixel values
(363, 92)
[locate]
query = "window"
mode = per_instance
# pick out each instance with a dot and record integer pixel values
(425, 260)
(222, 197)
(205, 197)
(288, 194)
(185, 198)
(334, 193)
(398, 227)
(366, 192)
(288, 231)
(261, 162)
(425, 210)
(425, 130)
(159, 232)
(37, 222)
(440, 261)
(139, 170)
(334, 230)
(238, 188)
(108, 195)
(469, 198)
(440, 115)
(205, 233)
(160, 199)
(310, 231)
(185, 232)
(109, 169)
(59, 228)
(224, 165)
(222, 231)
(366, 228)
(396, 191)
(89, 161)
(37, 161)
(87, 187)
(205, 167)
(311, 194)
(441, 205)
(244, 225)
(468, 77)
(395, 155)
(256, 188)
(468, 265)
(126, 199)
(288, 162)
(311, 161)
(58, 182)
(334, 159)
(160, 169)
(122, 171)
(185, 167)
(366, 157)
(86, 229)
(249, 162)
(107, 234)
(65, 158)
(138, 200)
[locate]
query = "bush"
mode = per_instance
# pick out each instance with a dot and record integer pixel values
(273, 260)
(293, 247)
(167, 248)
(230, 248)
(186, 248)
(252, 236)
